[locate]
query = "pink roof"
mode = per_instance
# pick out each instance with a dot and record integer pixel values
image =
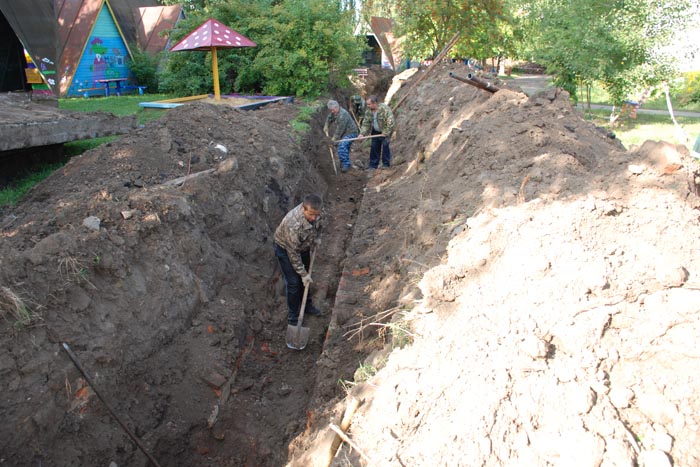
(210, 34)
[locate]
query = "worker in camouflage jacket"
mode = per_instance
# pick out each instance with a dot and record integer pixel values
(293, 240)
(345, 128)
(378, 120)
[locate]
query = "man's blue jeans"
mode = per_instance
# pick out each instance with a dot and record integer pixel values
(380, 147)
(344, 151)
(293, 283)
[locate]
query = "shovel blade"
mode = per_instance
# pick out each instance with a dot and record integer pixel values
(297, 337)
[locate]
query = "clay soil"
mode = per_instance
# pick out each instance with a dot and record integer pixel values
(518, 289)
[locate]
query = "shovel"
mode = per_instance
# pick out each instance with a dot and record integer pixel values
(333, 159)
(359, 138)
(298, 336)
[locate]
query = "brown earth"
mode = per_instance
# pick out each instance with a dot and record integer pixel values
(518, 289)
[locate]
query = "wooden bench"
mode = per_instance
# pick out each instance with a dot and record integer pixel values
(132, 87)
(86, 91)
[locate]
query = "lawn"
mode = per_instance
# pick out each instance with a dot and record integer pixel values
(650, 127)
(657, 100)
(118, 105)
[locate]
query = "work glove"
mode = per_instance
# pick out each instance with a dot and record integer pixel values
(306, 280)
(325, 131)
(317, 242)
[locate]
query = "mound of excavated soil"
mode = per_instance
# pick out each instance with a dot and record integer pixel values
(516, 290)
(548, 282)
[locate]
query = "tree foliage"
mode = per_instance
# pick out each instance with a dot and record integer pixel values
(615, 42)
(428, 25)
(305, 45)
(144, 67)
(302, 45)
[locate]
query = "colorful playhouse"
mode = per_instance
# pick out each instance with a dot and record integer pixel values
(79, 47)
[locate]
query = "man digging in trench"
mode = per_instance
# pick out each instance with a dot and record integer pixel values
(293, 240)
(345, 129)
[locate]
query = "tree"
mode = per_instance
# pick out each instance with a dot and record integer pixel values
(428, 25)
(302, 45)
(616, 42)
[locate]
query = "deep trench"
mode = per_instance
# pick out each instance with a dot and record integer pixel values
(269, 396)
(244, 433)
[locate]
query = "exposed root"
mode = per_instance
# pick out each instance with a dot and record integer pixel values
(399, 330)
(521, 193)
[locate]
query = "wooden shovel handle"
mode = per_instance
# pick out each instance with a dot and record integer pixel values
(306, 292)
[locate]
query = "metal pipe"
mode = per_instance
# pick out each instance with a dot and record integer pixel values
(74, 359)
(487, 85)
(474, 83)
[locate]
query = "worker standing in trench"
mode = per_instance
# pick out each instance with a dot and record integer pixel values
(345, 128)
(293, 240)
(378, 119)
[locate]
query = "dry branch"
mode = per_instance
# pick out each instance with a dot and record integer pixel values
(350, 409)
(350, 443)
(437, 60)
(373, 320)
(521, 193)
(181, 180)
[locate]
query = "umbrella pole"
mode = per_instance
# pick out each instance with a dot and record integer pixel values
(215, 69)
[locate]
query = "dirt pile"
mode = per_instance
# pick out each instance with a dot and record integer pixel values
(546, 278)
(160, 284)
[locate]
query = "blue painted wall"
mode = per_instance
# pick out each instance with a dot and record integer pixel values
(105, 55)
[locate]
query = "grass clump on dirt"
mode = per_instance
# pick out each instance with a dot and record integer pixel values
(300, 124)
(14, 309)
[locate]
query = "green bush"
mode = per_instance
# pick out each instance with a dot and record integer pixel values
(302, 45)
(691, 90)
(187, 74)
(144, 67)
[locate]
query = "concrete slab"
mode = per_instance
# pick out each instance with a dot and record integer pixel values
(25, 124)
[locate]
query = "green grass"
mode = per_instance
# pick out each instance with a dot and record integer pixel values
(75, 148)
(10, 195)
(649, 127)
(118, 105)
(657, 101)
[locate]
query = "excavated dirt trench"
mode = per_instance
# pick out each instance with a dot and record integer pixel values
(518, 289)
(169, 294)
